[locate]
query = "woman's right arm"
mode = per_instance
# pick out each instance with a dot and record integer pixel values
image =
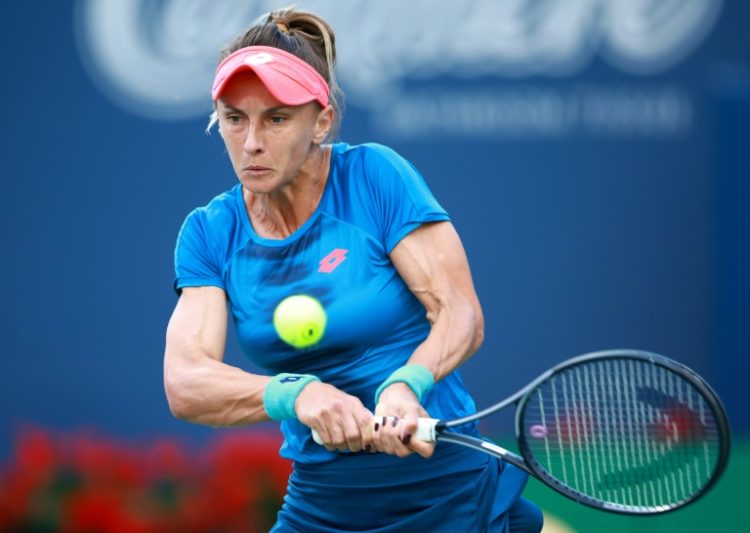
(200, 387)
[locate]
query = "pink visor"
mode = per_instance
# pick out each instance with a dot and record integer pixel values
(289, 79)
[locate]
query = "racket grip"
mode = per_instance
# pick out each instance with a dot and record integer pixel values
(425, 429)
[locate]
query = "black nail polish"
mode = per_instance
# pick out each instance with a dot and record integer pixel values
(367, 447)
(407, 439)
(385, 421)
(395, 422)
(377, 426)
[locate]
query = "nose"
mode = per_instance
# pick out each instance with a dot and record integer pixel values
(254, 140)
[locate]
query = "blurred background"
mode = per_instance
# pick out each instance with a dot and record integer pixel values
(593, 155)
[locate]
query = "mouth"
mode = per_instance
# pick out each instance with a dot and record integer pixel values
(256, 169)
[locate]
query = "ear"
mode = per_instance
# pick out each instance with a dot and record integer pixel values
(323, 124)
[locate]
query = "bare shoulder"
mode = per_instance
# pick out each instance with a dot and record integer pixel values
(431, 247)
(432, 262)
(199, 321)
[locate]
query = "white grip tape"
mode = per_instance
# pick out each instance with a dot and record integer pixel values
(425, 428)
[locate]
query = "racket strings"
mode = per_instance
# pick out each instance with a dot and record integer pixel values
(623, 431)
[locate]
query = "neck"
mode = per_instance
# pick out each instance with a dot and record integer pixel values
(280, 213)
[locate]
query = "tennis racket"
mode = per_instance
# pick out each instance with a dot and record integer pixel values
(624, 431)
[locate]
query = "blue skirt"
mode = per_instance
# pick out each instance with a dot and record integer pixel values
(456, 490)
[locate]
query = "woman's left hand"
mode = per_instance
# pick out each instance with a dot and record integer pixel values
(396, 436)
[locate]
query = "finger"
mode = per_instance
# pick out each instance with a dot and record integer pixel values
(380, 432)
(324, 437)
(322, 427)
(337, 435)
(342, 443)
(425, 449)
(377, 436)
(409, 426)
(364, 421)
(394, 436)
(353, 434)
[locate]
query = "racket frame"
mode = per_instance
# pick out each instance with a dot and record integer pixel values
(527, 461)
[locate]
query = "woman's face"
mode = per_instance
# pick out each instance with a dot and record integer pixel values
(267, 141)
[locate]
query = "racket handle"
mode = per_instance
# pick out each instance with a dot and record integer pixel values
(425, 429)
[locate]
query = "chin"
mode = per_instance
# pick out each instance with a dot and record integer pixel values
(258, 186)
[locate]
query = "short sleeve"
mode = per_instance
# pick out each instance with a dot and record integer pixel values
(401, 195)
(193, 263)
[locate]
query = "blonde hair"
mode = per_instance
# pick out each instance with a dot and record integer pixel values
(303, 34)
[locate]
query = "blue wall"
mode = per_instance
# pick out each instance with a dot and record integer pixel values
(602, 202)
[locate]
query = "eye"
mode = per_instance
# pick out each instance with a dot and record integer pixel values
(234, 119)
(278, 119)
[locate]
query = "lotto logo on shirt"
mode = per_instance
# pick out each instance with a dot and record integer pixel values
(329, 263)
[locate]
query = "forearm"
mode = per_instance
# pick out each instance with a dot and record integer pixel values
(457, 332)
(213, 393)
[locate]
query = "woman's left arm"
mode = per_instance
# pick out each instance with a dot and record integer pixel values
(432, 262)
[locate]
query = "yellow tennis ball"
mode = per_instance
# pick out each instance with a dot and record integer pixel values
(300, 320)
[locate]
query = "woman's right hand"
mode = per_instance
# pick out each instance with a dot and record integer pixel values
(341, 420)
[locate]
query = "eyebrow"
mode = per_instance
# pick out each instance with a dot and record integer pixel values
(270, 110)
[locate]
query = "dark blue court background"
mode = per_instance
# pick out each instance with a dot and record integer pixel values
(583, 238)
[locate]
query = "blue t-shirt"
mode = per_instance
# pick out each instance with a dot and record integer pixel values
(340, 255)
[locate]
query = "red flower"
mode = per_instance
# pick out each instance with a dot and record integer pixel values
(101, 512)
(85, 482)
(35, 453)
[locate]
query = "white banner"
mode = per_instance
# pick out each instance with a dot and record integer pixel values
(157, 58)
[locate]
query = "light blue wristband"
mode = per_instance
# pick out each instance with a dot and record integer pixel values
(417, 377)
(281, 393)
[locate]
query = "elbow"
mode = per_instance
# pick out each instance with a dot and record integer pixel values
(177, 398)
(470, 324)
(178, 408)
(477, 338)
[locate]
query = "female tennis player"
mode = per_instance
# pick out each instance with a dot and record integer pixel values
(357, 228)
